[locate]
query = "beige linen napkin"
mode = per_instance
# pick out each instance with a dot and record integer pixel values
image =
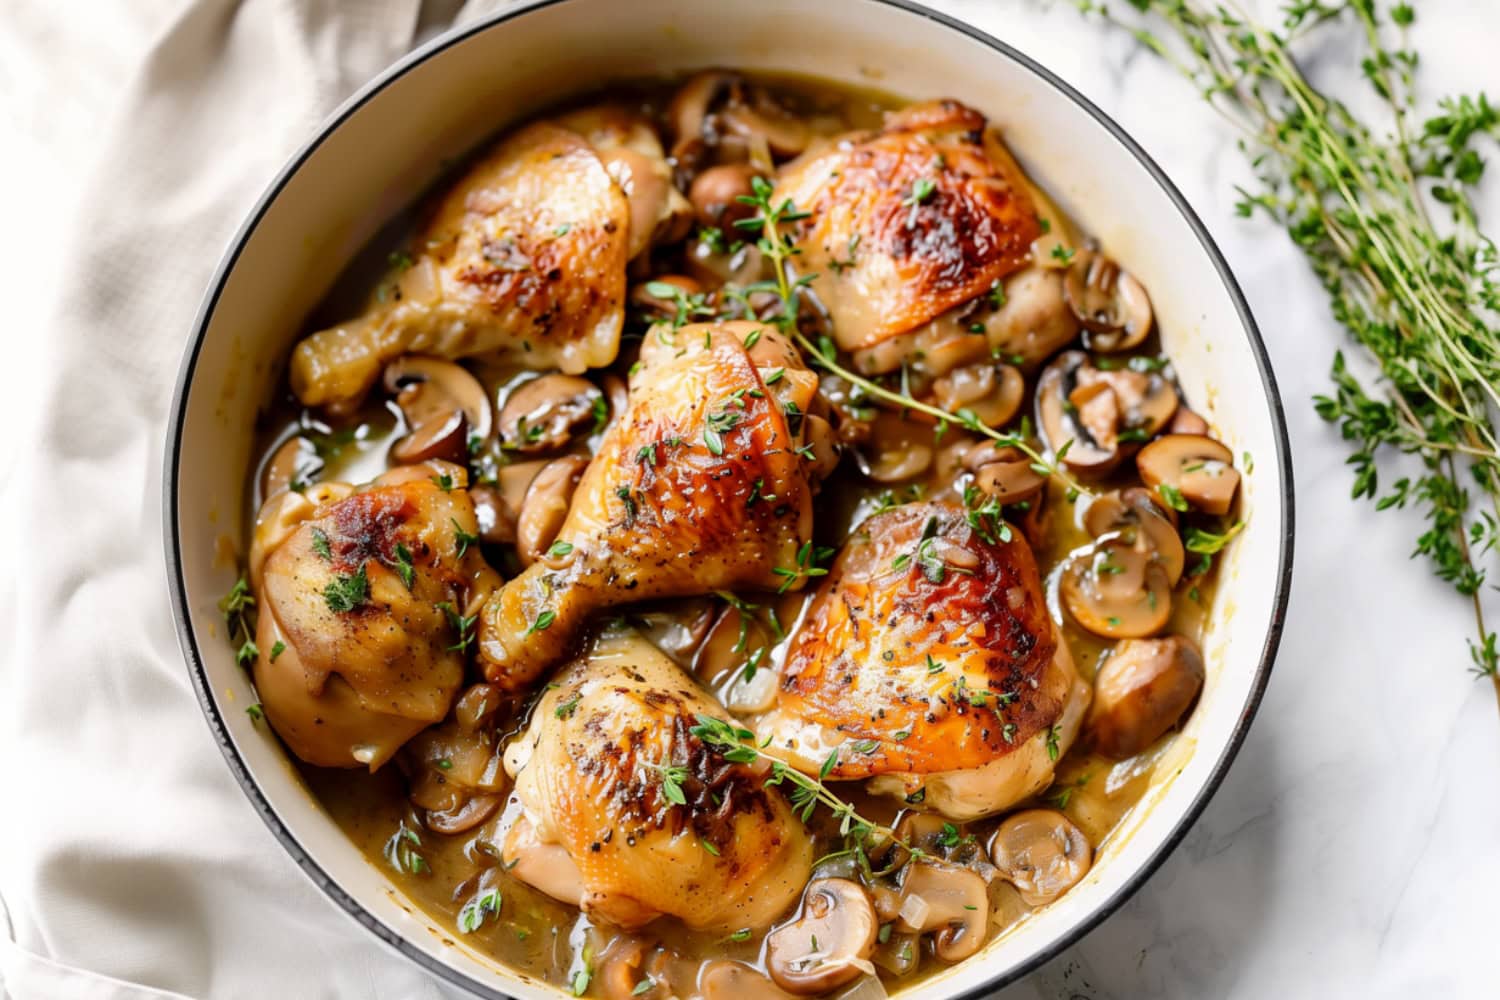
(128, 850)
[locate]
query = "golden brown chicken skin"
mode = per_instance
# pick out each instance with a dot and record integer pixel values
(523, 259)
(601, 830)
(357, 652)
(908, 222)
(699, 486)
(928, 650)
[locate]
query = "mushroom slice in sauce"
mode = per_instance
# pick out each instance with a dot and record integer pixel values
(543, 414)
(1005, 473)
(720, 111)
(1142, 690)
(992, 392)
(830, 942)
(292, 466)
(1195, 465)
(715, 194)
(726, 980)
(1116, 590)
(1099, 411)
(1112, 306)
(898, 448)
(546, 506)
(950, 900)
(1139, 521)
(445, 409)
(1041, 853)
(1185, 421)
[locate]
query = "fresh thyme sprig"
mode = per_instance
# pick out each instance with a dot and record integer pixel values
(237, 606)
(737, 745)
(776, 248)
(1421, 301)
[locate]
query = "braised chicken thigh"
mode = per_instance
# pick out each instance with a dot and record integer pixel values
(524, 258)
(908, 222)
(358, 590)
(649, 821)
(703, 484)
(929, 664)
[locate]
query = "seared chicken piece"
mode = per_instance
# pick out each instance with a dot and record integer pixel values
(358, 591)
(929, 663)
(523, 259)
(632, 154)
(908, 222)
(698, 486)
(600, 828)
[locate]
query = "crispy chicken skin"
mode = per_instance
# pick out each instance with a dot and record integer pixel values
(524, 259)
(931, 649)
(697, 487)
(909, 221)
(587, 773)
(346, 681)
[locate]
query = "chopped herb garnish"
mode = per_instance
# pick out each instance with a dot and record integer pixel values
(346, 592)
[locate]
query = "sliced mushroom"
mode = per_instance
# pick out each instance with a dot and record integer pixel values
(688, 112)
(715, 194)
(1185, 421)
(992, 392)
(1138, 521)
(757, 118)
(1142, 690)
(947, 899)
(546, 506)
(465, 816)
(898, 448)
(830, 942)
(630, 968)
(644, 301)
(293, 466)
(721, 110)
(1112, 306)
(1116, 590)
(1005, 473)
(1041, 853)
(1196, 466)
(1032, 320)
(1100, 412)
(722, 979)
(447, 411)
(544, 413)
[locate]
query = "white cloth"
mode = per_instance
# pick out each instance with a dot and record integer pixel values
(134, 137)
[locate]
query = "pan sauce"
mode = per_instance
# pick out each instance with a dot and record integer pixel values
(466, 880)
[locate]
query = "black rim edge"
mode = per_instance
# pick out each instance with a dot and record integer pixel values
(188, 641)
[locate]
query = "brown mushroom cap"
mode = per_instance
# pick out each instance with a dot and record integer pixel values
(543, 414)
(1141, 691)
(546, 506)
(1116, 590)
(292, 465)
(1197, 466)
(654, 306)
(1140, 522)
(722, 979)
(445, 409)
(1112, 306)
(948, 899)
(1095, 409)
(992, 392)
(830, 942)
(715, 194)
(1004, 473)
(1185, 421)
(630, 968)
(1041, 853)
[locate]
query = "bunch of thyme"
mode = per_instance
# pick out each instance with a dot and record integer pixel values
(1420, 298)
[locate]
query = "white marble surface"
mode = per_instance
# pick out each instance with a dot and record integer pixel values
(1352, 849)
